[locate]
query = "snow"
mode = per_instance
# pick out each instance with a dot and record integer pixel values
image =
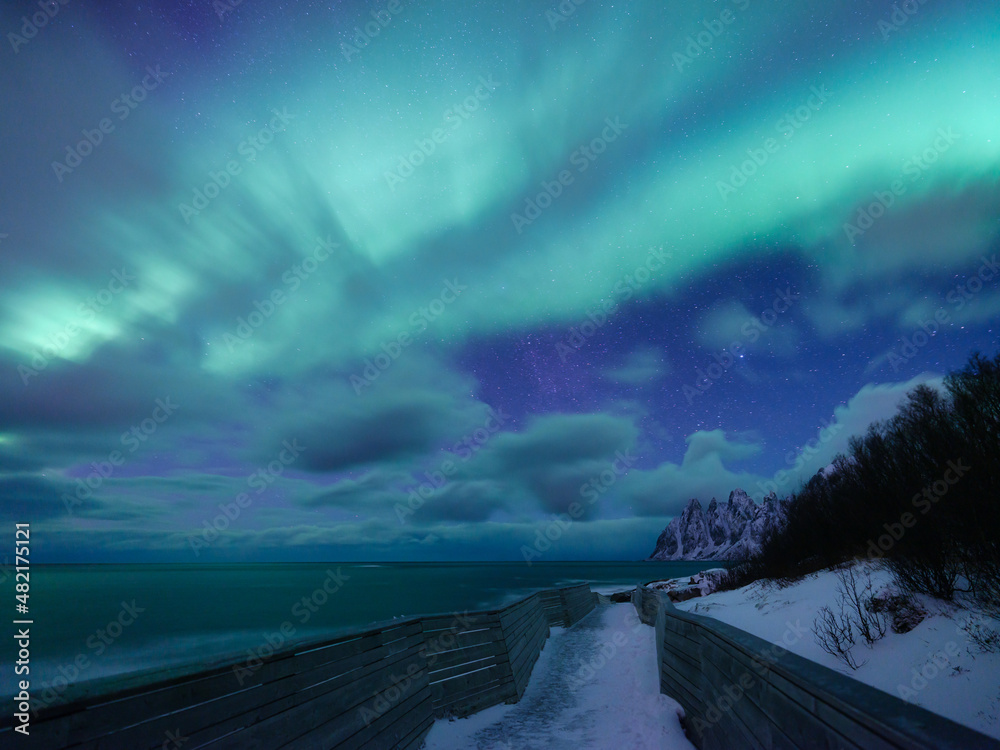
(610, 588)
(595, 685)
(700, 584)
(959, 680)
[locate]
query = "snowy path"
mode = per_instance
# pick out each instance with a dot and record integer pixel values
(595, 685)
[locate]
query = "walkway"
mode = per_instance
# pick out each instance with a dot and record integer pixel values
(595, 685)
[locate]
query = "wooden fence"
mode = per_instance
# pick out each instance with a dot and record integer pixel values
(566, 606)
(378, 688)
(739, 691)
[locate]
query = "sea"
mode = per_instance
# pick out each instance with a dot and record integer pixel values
(93, 621)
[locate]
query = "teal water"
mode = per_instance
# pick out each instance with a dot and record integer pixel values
(92, 621)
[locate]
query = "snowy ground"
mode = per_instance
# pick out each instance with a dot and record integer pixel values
(595, 685)
(936, 665)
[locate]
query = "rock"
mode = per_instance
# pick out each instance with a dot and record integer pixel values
(724, 532)
(906, 614)
(682, 589)
(683, 594)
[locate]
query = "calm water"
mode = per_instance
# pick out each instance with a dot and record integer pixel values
(123, 618)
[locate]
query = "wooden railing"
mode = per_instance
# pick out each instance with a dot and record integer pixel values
(739, 691)
(566, 606)
(378, 688)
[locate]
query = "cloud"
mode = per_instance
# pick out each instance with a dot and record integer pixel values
(872, 403)
(514, 475)
(558, 440)
(29, 497)
(723, 324)
(641, 367)
(413, 410)
(702, 474)
(713, 444)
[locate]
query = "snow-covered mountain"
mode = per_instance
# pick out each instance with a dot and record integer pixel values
(723, 532)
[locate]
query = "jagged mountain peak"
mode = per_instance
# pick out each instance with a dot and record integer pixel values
(723, 531)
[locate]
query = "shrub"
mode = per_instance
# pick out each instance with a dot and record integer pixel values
(905, 465)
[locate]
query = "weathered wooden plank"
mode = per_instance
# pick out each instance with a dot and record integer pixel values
(510, 619)
(691, 675)
(172, 695)
(522, 640)
(416, 739)
(681, 650)
(393, 730)
(120, 687)
(521, 644)
(449, 641)
(741, 711)
(355, 735)
(720, 709)
(336, 717)
(460, 621)
(511, 622)
(465, 655)
(528, 644)
(463, 663)
(284, 702)
(791, 702)
(522, 670)
(475, 678)
(774, 689)
(455, 670)
(470, 701)
(681, 687)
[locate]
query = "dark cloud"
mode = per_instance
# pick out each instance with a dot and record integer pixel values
(27, 497)
(379, 325)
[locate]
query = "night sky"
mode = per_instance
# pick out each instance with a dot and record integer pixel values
(404, 280)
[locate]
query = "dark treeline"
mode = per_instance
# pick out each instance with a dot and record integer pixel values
(920, 491)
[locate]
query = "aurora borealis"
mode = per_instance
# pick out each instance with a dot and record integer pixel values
(404, 280)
